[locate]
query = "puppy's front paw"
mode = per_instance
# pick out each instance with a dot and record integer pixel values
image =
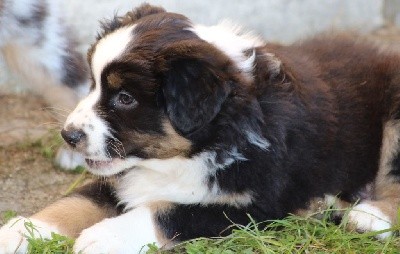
(107, 237)
(13, 235)
(68, 159)
(366, 217)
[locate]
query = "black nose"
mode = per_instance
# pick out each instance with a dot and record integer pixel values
(73, 136)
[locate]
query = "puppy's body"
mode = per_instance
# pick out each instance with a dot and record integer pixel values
(203, 123)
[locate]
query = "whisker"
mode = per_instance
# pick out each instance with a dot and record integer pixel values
(123, 148)
(108, 154)
(51, 124)
(111, 146)
(58, 109)
(115, 148)
(120, 145)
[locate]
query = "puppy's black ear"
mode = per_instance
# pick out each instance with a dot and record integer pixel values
(195, 85)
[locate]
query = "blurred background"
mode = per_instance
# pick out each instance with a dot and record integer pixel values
(276, 20)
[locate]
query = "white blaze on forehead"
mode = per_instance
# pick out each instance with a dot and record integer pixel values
(109, 48)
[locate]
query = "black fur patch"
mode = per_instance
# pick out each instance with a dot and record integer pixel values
(193, 94)
(191, 221)
(396, 167)
(101, 193)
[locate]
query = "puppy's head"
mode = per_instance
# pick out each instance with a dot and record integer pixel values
(156, 82)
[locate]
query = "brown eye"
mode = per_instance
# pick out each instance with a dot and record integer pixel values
(125, 99)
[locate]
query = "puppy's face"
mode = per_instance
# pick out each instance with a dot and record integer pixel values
(155, 82)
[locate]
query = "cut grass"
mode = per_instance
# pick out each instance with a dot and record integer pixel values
(290, 235)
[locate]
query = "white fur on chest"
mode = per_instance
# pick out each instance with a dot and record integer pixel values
(179, 180)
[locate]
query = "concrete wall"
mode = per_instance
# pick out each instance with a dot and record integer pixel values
(276, 20)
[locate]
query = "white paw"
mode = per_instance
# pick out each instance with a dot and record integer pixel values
(127, 233)
(13, 234)
(68, 159)
(103, 238)
(367, 217)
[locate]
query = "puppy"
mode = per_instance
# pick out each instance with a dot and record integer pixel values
(39, 48)
(196, 127)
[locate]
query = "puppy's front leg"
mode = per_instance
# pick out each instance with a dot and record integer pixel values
(68, 216)
(164, 224)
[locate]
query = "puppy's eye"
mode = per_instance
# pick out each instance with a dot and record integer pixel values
(125, 99)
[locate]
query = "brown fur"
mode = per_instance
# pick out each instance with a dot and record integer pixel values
(319, 205)
(114, 80)
(162, 146)
(90, 54)
(389, 205)
(387, 188)
(73, 214)
(390, 147)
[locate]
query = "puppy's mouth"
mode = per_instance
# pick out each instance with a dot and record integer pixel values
(111, 166)
(98, 164)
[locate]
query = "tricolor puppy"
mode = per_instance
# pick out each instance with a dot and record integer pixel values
(198, 124)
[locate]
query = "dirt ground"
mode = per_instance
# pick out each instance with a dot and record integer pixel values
(28, 178)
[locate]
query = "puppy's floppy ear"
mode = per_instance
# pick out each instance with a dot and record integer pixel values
(194, 84)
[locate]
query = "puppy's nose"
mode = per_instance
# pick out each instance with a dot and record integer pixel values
(73, 136)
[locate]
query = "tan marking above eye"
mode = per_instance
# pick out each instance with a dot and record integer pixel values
(114, 80)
